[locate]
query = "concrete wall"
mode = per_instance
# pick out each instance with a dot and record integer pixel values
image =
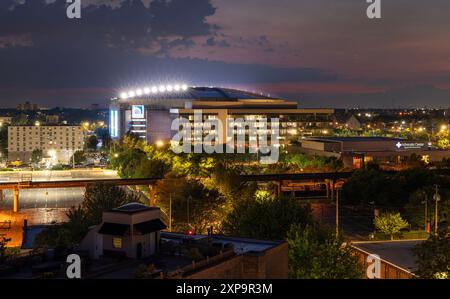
(269, 264)
(387, 270)
(158, 126)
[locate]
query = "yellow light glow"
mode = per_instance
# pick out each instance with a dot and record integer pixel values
(159, 143)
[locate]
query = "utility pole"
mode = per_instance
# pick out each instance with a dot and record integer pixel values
(425, 201)
(188, 220)
(170, 212)
(337, 212)
(437, 198)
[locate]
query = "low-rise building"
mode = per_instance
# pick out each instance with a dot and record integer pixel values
(57, 143)
(5, 120)
(355, 152)
(133, 234)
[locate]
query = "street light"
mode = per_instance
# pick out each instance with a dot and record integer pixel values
(425, 202)
(188, 216)
(437, 198)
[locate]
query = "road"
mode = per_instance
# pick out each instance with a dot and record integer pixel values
(50, 198)
(44, 198)
(43, 206)
(50, 175)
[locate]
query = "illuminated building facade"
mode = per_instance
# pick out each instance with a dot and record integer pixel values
(58, 143)
(355, 152)
(149, 112)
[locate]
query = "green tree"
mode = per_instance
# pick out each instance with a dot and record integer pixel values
(315, 253)
(79, 157)
(433, 257)
(390, 223)
(151, 168)
(92, 142)
(102, 197)
(3, 249)
(193, 205)
(270, 218)
(3, 141)
(36, 156)
(77, 224)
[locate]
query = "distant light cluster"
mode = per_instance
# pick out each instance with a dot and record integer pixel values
(153, 90)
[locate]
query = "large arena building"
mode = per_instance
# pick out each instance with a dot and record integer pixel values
(149, 112)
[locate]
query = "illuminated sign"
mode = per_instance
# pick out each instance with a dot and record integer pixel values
(114, 123)
(137, 112)
(410, 145)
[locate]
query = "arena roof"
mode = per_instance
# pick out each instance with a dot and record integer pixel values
(198, 93)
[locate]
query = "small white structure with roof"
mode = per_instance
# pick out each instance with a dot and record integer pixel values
(132, 231)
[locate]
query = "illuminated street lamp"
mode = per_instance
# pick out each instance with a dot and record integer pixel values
(437, 198)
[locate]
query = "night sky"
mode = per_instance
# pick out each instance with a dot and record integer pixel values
(323, 53)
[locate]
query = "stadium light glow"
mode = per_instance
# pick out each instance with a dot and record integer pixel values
(153, 90)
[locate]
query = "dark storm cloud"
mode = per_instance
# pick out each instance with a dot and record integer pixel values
(108, 49)
(323, 51)
(132, 24)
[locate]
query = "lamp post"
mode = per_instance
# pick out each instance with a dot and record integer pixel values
(436, 198)
(337, 186)
(425, 201)
(188, 219)
(170, 212)
(337, 213)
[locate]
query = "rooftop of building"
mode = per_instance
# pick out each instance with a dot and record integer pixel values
(353, 139)
(240, 245)
(198, 93)
(399, 253)
(132, 208)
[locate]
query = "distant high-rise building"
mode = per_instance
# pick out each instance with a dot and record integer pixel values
(51, 119)
(58, 143)
(27, 106)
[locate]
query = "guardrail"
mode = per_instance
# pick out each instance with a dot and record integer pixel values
(194, 266)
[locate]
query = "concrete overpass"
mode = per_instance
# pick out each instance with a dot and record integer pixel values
(291, 182)
(29, 184)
